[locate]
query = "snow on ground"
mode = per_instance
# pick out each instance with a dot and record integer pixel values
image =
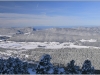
(6, 35)
(9, 44)
(5, 53)
(31, 71)
(91, 40)
(27, 33)
(33, 45)
(1, 40)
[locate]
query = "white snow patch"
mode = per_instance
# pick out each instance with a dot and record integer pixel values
(1, 40)
(26, 56)
(71, 45)
(6, 35)
(51, 71)
(61, 70)
(91, 40)
(27, 33)
(31, 71)
(33, 45)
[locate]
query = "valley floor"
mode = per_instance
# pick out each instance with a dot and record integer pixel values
(61, 53)
(45, 45)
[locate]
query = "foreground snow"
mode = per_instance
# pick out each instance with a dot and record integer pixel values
(33, 45)
(30, 70)
(44, 66)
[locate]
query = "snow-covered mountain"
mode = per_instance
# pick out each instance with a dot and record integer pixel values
(11, 31)
(65, 44)
(30, 34)
(50, 35)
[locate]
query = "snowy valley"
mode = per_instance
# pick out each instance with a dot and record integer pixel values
(62, 44)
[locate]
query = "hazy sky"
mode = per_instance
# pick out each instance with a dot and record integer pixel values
(49, 13)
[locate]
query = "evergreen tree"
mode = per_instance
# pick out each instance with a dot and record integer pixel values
(87, 68)
(44, 66)
(72, 69)
(13, 66)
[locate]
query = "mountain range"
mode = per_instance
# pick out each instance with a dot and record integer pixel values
(30, 34)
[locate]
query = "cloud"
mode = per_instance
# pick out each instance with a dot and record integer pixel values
(13, 19)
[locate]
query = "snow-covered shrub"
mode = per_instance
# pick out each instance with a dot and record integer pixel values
(16, 66)
(44, 66)
(13, 66)
(73, 69)
(59, 70)
(87, 68)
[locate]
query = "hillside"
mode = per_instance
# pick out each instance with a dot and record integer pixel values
(62, 44)
(51, 35)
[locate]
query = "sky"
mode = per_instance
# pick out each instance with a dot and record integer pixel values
(49, 13)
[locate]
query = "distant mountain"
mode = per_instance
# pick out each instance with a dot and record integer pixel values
(54, 34)
(51, 34)
(12, 31)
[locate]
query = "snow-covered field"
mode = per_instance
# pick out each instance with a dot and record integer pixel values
(91, 40)
(33, 45)
(6, 35)
(61, 53)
